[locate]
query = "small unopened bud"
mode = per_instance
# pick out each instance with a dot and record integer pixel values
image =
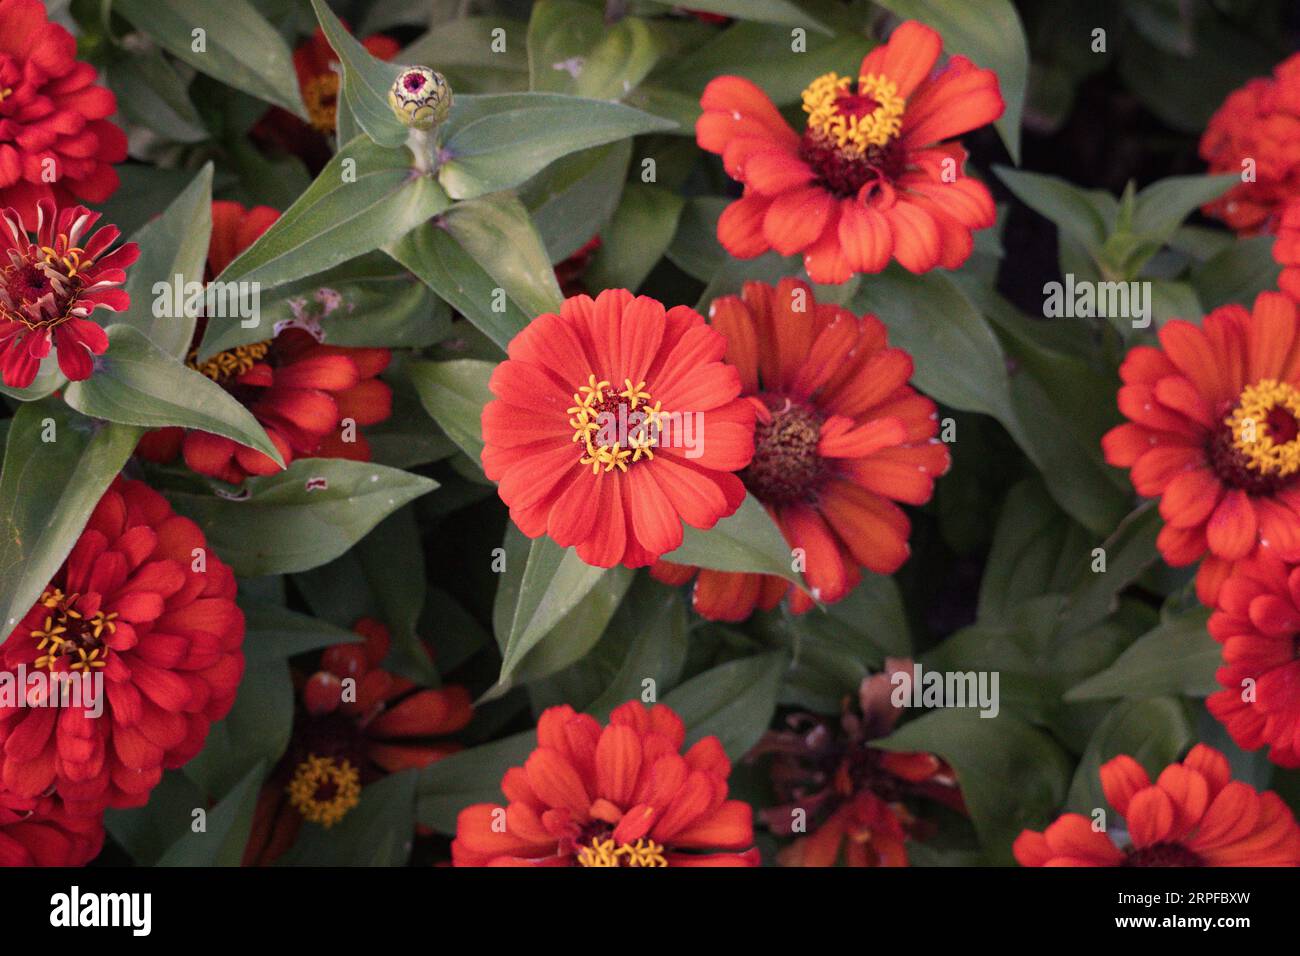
(420, 97)
(345, 660)
(323, 693)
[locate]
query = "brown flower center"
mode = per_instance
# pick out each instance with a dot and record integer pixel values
(786, 468)
(320, 94)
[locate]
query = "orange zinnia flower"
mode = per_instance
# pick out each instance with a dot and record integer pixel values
(1214, 432)
(621, 795)
(342, 742)
(871, 178)
(852, 798)
(841, 437)
(1260, 123)
(1193, 815)
(613, 423)
(1258, 622)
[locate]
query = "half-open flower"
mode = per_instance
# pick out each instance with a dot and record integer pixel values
(49, 286)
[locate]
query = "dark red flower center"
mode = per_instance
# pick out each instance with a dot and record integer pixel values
(1257, 445)
(1162, 854)
(40, 293)
(72, 632)
(786, 468)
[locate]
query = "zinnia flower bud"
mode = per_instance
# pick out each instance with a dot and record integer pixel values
(420, 97)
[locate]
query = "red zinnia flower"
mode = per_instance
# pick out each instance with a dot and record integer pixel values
(341, 745)
(841, 437)
(301, 391)
(613, 422)
(1193, 815)
(852, 798)
(1214, 432)
(49, 287)
(621, 795)
(871, 177)
(39, 831)
(318, 70)
(141, 601)
(1257, 622)
(56, 143)
(1286, 249)
(1259, 122)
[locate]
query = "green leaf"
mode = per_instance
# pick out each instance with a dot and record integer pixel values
(780, 12)
(464, 52)
(1012, 776)
(748, 540)
(441, 263)
(1128, 553)
(239, 47)
(1237, 274)
(150, 93)
(147, 832)
(367, 302)
(498, 234)
(638, 236)
(531, 605)
(471, 776)
(254, 734)
(761, 53)
(572, 50)
(497, 141)
(1176, 657)
(137, 383)
(306, 515)
(174, 244)
(1070, 208)
(454, 393)
(833, 651)
(392, 560)
(733, 702)
(276, 633)
(47, 491)
(991, 35)
(1162, 206)
(573, 199)
(959, 360)
(363, 199)
(1154, 732)
(647, 639)
(227, 827)
(365, 82)
(378, 831)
